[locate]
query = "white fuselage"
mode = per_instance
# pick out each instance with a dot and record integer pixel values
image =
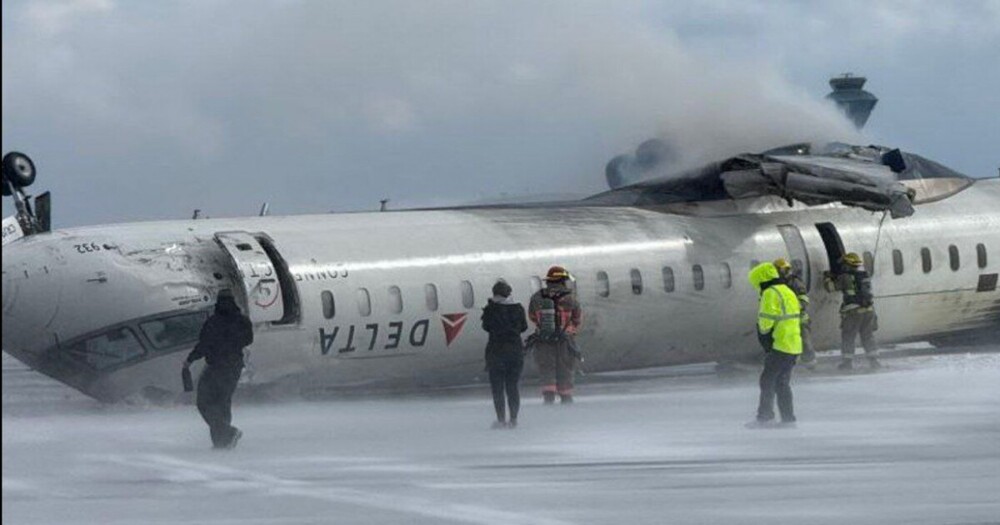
(413, 271)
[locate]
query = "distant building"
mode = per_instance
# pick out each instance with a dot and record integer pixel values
(852, 99)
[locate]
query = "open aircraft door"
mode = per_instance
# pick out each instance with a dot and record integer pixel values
(798, 255)
(258, 274)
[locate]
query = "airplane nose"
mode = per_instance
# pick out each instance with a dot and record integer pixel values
(31, 294)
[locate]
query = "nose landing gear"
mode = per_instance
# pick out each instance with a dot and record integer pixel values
(33, 214)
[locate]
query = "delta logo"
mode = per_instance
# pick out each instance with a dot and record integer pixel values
(453, 325)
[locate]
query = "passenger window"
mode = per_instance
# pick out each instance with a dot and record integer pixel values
(754, 263)
(699, 277)
(925, 259)
(603, 284)
(897, 262)
(174, 331)
(669, 284)
(431, 297)
(395, 300)
(109, 349)
(329, 308)
(636, 281)
(468, 295)
(869, 263)
(981, 255)
(726, 274)
(954, 258)
(364, 302)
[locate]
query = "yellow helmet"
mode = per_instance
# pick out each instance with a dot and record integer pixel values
(782, 264)
(853, 259)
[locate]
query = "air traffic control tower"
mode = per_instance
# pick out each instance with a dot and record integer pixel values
(851, 99)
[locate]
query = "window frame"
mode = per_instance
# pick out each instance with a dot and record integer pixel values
(364, 299)
(635, 277)
(669, 279)
(698, 277)
(329, 304)
(396, 303)
(468, 293)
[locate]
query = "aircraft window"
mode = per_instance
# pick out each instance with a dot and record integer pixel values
(431, 296)
(173, 331)
(603, 284)
(636, 277)
(364, 302)
(536, 284)
(897, 262)
(108, 349)
(925, 259)
(395, 300)
(668, 279)
(954, 258)
(981, 255)
(468, 295)
(699, 277)
(869, 263)
(329, 308)
(754, 263)
(726, 274)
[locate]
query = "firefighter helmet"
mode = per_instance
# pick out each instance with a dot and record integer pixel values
(853, 259)
(556, 274)
(782, 264)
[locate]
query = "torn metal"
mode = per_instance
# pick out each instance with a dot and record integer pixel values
(869, 177)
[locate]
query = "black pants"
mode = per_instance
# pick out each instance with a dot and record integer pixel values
(505, 373)
(776, 380)
(215, 400)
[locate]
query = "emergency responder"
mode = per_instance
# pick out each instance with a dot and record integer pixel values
(793, 279)
(857, 312)
(504, 320)
(779, 331)
(557, 316)
(223, 337)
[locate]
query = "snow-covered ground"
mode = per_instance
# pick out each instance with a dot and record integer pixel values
(917, 443)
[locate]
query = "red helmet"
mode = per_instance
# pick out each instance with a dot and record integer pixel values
(557, 274)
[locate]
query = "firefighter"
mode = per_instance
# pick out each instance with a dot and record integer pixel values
(793, 279)
(779, 324)
(557, 316)
(857, 312)
(504, 320)
(223, 337)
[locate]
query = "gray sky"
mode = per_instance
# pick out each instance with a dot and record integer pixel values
(147, 110)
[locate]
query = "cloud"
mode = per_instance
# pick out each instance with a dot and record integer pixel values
(332, 105)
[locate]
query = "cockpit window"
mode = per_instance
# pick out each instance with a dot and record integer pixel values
(108, 349)
(174, 331)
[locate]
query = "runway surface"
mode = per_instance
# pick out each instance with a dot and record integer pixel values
(917, 443)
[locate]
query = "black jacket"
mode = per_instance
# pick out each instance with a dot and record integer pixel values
(505, 322)
(224, 336)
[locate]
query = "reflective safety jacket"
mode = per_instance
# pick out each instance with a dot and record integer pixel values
(780, 314)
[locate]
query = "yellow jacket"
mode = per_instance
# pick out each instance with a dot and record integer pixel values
(780, 314)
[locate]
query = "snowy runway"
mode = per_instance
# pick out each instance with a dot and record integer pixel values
(919, 443)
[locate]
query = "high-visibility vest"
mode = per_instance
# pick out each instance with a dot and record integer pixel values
(781, 315)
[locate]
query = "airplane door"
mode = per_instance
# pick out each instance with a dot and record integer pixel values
(833, 243)
(259, 277)
(797, 252)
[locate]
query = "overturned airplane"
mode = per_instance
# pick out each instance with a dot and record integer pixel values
(391, 299)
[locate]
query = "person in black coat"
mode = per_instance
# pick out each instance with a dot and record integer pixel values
(504, 321)
(223, 337)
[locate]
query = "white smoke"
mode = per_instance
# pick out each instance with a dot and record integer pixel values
(436, 101)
